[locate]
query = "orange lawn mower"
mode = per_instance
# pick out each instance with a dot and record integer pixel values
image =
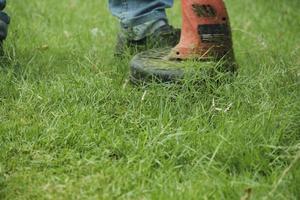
(205, 43)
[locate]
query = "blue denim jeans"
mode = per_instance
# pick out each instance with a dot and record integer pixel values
(2, 4)
(4, 21)
(140, 17)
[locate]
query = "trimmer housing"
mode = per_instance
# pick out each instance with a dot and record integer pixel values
(206, 31)
(205, 38)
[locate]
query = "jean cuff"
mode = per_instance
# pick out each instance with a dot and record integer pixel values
(155, 15)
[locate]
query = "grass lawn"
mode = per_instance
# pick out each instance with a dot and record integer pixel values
(72, 127)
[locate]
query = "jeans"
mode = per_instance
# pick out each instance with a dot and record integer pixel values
(2, 4)
(140, 17)
(4, 21)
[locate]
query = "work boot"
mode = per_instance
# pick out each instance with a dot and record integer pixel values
(164, 36)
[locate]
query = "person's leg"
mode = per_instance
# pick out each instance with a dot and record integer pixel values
(4, 22)
(139, 18)
(144, 25)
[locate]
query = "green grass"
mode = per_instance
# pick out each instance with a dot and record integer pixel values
(71, 127)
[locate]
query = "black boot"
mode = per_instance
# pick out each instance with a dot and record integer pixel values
(165, 36)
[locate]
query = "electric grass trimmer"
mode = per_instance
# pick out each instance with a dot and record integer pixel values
(205, 41)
